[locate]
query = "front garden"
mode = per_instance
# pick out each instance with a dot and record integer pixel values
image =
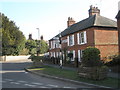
(73, 75)
(91, 70)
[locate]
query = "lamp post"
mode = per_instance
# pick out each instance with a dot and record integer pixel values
(60, 50)
(38, 49)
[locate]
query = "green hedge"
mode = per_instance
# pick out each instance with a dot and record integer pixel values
(91, 57)
(115, 61)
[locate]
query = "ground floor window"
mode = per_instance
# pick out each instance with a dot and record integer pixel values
(80, 53)
(71, 55)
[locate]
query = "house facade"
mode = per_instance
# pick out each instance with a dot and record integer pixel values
(95, 31)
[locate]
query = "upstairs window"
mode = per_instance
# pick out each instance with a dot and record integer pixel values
(82, 38)
(70, 40)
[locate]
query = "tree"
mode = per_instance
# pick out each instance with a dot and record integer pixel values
(43, 47)
(13, 40)
(31, 46)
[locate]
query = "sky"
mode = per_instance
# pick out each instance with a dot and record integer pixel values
(51, 16)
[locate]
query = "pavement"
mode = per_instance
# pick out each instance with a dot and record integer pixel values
(110, 74)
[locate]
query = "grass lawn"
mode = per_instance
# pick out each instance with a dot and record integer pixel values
(110, 82)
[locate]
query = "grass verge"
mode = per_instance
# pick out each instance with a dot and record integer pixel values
(69, 74)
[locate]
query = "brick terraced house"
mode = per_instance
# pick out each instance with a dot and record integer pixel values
(96, 31)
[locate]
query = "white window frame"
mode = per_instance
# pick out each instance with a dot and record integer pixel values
(80, 38)
(54, 54)
(73, 55)
(70, 43)
(73, 40)
(80, 53)
(68, 40)
(73, 51)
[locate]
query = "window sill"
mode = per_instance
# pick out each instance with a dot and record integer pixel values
(82, 44)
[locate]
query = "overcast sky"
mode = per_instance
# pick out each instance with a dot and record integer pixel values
(51, 16)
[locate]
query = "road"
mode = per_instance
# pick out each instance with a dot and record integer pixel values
(14, 76)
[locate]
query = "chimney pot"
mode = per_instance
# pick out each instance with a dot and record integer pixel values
(93, 11)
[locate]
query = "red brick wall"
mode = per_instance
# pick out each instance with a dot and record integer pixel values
(107, 50)
(106, 41)
(118, 23)
(76, 47)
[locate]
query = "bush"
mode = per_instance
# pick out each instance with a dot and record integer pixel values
(91, 57)
(115, 61)
(36, 58)
(31, 57)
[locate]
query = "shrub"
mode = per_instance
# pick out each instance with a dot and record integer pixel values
(31, 57)
(36, 58)
(91, 57)
(115, 61)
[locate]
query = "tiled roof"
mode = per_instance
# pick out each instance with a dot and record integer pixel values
(91, 21)
(95, 20)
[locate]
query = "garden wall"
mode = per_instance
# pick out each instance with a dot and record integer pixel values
(13, 58)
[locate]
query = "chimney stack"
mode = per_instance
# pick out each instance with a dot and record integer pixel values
(93, 11)
(70, 21)
(30, 37)
(41, 37)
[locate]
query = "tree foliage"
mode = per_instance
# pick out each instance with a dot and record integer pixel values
(13, 40)
(31, 46)
(43, 47)
(35, 46)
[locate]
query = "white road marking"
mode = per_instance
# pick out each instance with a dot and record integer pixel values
(30, 85)
(22, 81)
(37, 83)
(14, 83)
(52, 85)
(67, 87)
(43, 87)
